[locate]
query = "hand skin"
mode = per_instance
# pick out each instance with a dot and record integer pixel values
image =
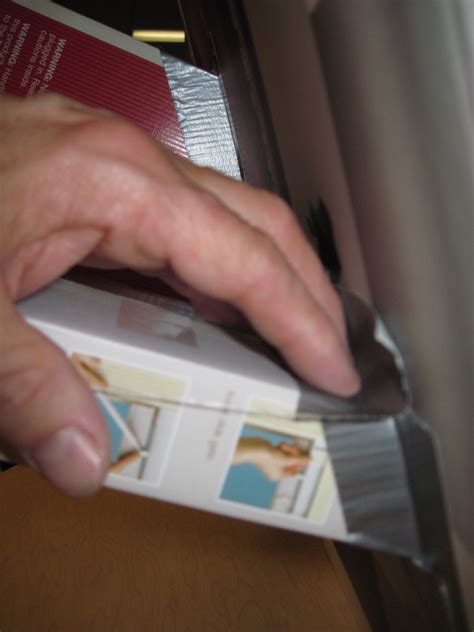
(78, 183)
(274, 462)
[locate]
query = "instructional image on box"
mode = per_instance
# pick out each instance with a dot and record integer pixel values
(165, 323)
(140, 430)
(279, 472)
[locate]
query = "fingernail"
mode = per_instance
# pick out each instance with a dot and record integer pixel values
(347, 382)
(339, 376)
(71, 461)
(352, 383)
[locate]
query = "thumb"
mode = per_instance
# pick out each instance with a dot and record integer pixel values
(48, 416)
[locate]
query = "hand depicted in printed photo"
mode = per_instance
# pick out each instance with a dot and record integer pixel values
(91, 370)
(279, 472)
(131, 428)
(274, 461)
(131, 420)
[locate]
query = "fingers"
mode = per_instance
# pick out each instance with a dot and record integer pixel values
(257, 208)
(223, 257)
(257, 280)
(48, 417)
(271, 215)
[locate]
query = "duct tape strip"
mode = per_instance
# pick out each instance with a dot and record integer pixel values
(369, 467)
(202, 114)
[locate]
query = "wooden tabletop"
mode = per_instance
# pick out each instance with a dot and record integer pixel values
(120, 562)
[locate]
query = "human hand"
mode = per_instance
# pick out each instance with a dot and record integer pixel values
(274, 462)
(76, 183)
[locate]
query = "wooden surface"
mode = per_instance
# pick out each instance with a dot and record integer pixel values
(119, 562)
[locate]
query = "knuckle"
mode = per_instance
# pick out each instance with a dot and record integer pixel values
(83, 150)
(100, 131)
(201, 213)
(280, 220)
(202, 200)
(49, 101)
(115, 127)
(201, 218)
(264, 264)
(285, 222)
(101, 135)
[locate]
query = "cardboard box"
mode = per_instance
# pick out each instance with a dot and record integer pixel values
(211, 418)
(195, 416)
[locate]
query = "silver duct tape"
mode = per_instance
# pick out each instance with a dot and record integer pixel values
(370, 470)
(202, 114)
(390, 490)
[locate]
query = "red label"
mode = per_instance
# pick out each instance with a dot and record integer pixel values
(39, 54)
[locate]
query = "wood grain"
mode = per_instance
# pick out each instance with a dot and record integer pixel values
(119, 562)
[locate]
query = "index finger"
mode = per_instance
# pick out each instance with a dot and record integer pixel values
(269, 213)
